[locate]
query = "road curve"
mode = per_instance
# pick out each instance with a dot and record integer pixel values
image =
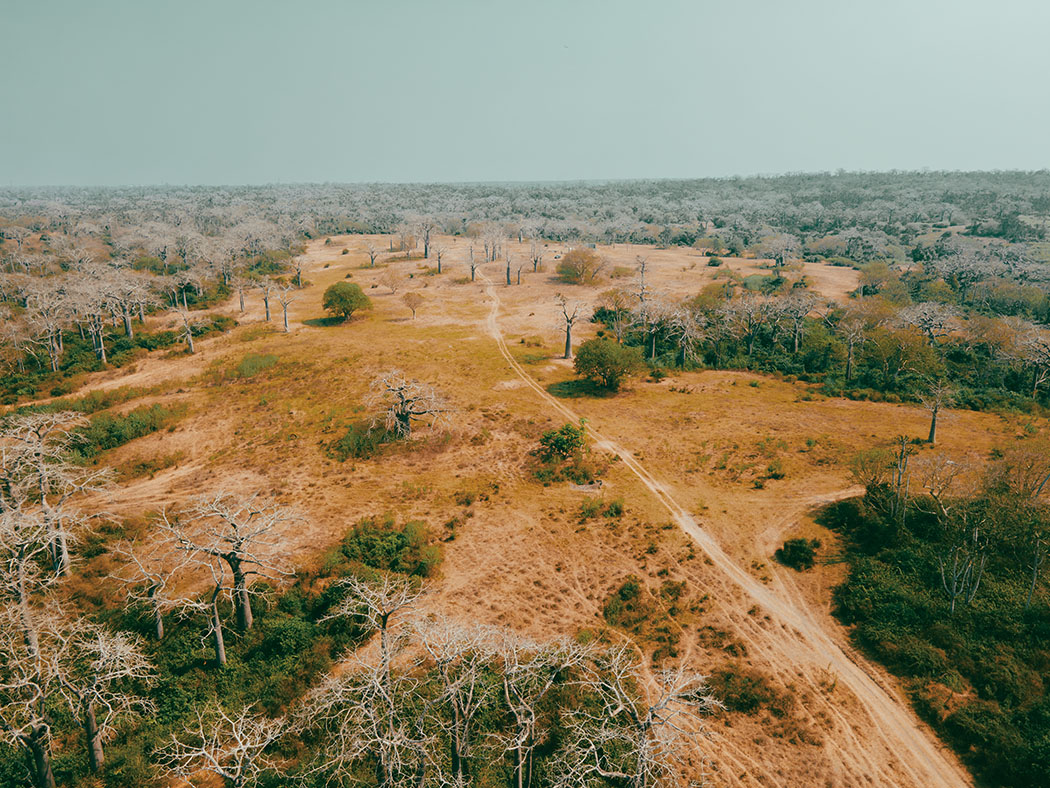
(927, 763)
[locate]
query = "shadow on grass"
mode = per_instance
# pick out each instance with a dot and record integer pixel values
(574, 389)
(324, 321)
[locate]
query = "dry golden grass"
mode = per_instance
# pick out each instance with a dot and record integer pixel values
(522, 558)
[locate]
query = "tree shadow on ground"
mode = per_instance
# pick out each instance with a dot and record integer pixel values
(324, 321)
(574, 389)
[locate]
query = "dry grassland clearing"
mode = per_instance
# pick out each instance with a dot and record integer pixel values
(714, 470)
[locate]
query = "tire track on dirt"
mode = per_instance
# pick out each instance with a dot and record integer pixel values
(926, 762)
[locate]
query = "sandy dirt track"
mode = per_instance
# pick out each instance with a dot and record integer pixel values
(800, 638)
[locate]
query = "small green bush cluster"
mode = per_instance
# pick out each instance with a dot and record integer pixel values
(360, 442)
(254, 363)
(799, 554)
(382, 544)
(110, 430)
(599, 507)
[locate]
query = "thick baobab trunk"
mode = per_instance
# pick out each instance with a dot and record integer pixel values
(933, 427)
(568, 341)
(849, 362)
(128, 331)
(39, 752)
(216, 626)
(184, 304)
(508, 274)
(189, 341)
(241, 294)
(93, 736)
(243, 598)
(266, 301)
(286, 319)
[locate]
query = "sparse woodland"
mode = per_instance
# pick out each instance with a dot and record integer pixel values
(188, 642)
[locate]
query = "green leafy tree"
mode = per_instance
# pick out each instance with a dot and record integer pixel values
(607, 363)
(344, 298)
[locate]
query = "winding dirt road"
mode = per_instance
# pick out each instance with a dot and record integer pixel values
(798, 638)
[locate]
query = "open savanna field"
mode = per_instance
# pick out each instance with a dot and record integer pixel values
(713, 469)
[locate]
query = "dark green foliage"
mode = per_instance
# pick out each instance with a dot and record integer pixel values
(562, 443)
(746, 690)
(563, 456)
(344, 298)
(382, 544)
(980, 676)
(109, 430)
(798, 553)
(361, 441)
(607, 362)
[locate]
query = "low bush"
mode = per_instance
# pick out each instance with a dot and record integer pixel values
(799, 554)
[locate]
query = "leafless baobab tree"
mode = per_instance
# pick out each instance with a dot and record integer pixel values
(404, 401)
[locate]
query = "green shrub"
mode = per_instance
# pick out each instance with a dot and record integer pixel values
(381, 544)
(799, 554)
(607, 362)
(360, 442)
(108, 430)
(254, 363)
(344, 298)
(561, 444)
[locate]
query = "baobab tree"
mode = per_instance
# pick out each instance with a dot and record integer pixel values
(536, 255)
(373, 251)
(231, 746)
(148, 577)
(37, 472)
(404, 401)
(459, 655)
(473, 264)
(938, 395)
(796, 308)
(618, 316)
(96, 672)
(238, 532)
(633, 738)
(27, 684)
(266, 286)
(285, 296)
(439, 253)
(570, 318)
(426, 227)
(530, 672)
(187, 327)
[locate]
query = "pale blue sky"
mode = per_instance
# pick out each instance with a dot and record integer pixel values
(255, 91)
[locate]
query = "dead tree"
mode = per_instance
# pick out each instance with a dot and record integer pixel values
(413, 300)
(37, 472)
(379, 603)
(286, 295)
(460, 656)
(508, 268)
(426, 227)
(938, 396)
(796, 308)
(96, 672)
(187, 327)
(149, 577)
(266, 287)
(27, 683)
(530, 671)
(369, 710)
(404, 401)
(231, 746)
(536, 255)
(390, 279)
(373, 252)
(367, 714)
(238, 532)
(570, 319)
(639, 731)
(473, 264)
(241, 285)
(439, 253)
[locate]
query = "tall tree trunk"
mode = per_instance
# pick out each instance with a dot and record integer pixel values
(243, 598)
(96, 755)
(40, 758)
(568, 340)
(128, 330)
(216, 624)
(285, 309)
(933, 427)
(241, 294)
(266, 301)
